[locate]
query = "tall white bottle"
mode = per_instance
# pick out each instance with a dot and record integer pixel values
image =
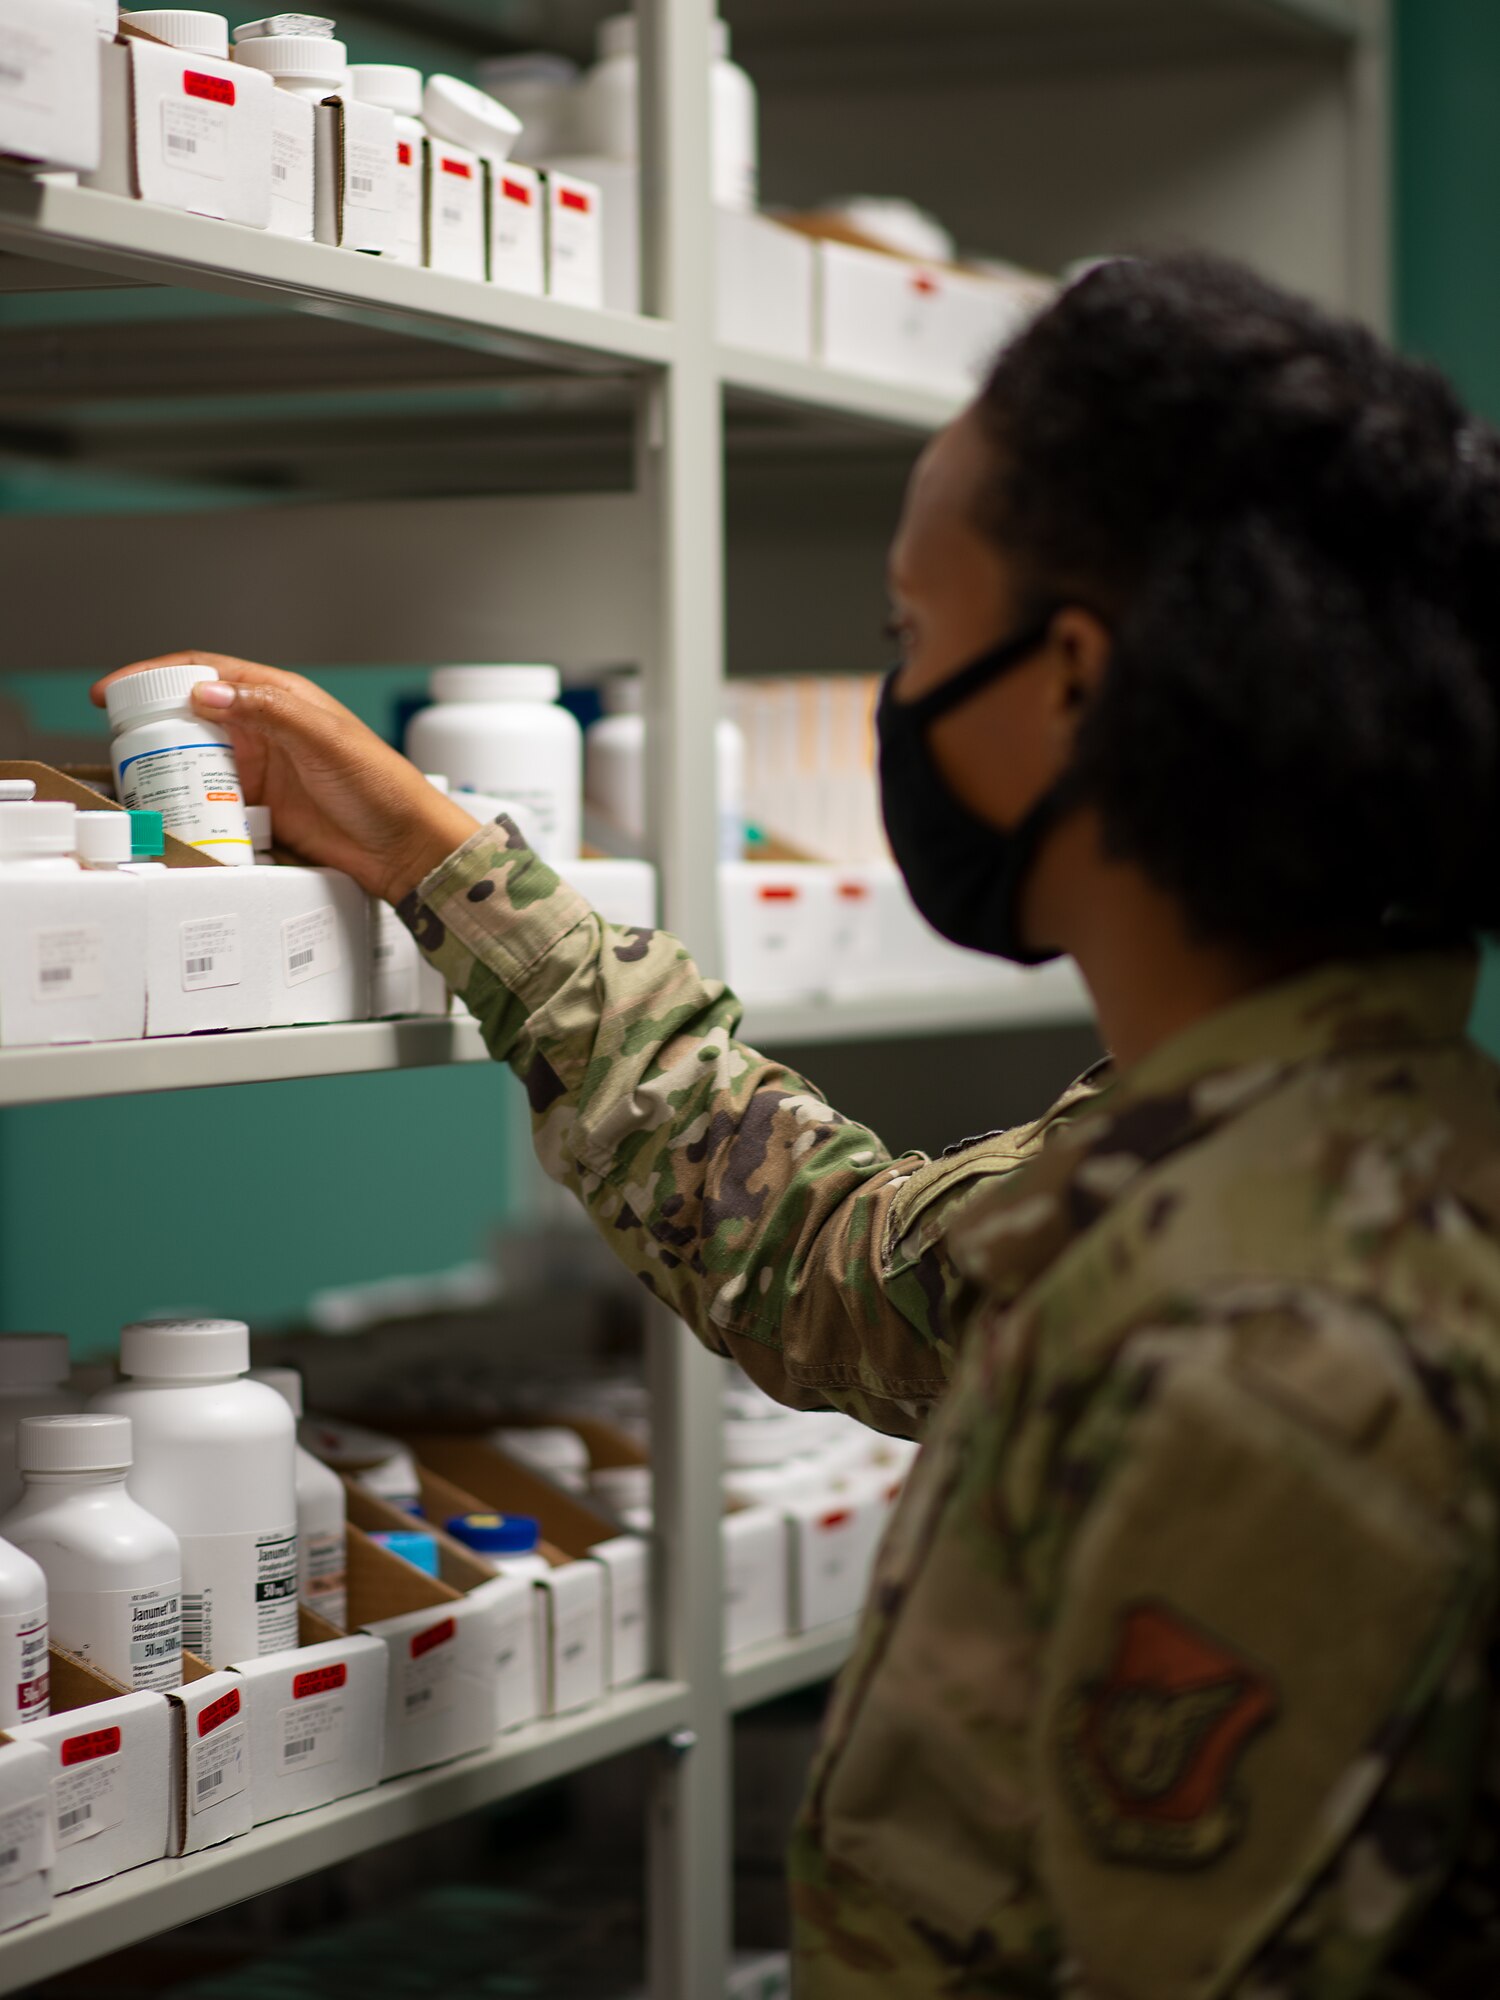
(215, 1458)
(114, 1572)
(322, 1575)
(23, 1637)
(33, 1383)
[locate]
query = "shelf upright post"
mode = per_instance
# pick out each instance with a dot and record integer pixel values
(681, 479)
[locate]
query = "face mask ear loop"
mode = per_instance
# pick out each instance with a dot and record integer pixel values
(981, 673)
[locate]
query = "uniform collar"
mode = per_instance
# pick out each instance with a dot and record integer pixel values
(1195, 1082)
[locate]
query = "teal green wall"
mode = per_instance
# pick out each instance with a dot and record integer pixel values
(1447, 201)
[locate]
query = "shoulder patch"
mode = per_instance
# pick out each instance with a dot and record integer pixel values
(1150, 1750)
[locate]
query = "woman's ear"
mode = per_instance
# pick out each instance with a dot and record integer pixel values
(1081, 646)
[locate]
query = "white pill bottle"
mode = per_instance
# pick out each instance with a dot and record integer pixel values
(114, 1572)
(614, 750)
(502, 730)
(215, 1458)
(322, 1572)
(33, 1383)
(23, 1638)
(168, 760)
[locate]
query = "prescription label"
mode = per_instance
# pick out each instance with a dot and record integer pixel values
(276, 1592)
(88, 1797)
(210, 953)
(325, 1575)
(133, 1635)
(195, 136)
(23, 1662)
(312, 1733)
(310, 946)
(196, 789)
(69, 964)
(216, 1755)
(367, 175)
(23, 1840)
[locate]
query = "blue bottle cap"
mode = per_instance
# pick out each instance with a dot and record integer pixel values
(496, 1534)
(148, 836)
(412, 1545)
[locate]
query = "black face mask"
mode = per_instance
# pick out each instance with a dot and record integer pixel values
(964, 875)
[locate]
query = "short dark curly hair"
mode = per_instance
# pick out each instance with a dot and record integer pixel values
(1295, 536)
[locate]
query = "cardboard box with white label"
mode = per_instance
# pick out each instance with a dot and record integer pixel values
(832, 1540)
(50, 65)
(26, 1849)
(316, 1720)
(923, 325)
(454, 226)
(355, 174)
(517, 227)
(211, 1800)
(575, 240)
(402, 982)
(185, 131)
(110, 1774)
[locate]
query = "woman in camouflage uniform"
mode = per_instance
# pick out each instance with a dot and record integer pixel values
(1175, 1680)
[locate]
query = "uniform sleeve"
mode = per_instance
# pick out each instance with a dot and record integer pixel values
(785, 1235)
(1261, 1703)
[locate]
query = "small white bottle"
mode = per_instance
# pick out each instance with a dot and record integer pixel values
(38, 839)
(168, 760)
(262, 835)
(114, 1572)
(33, 1383)
(322, 1573)
(614, 750)
(215, 1458)
(398, 88)
(557, 1453)
(502, 730)
(606, 111)
(103, 840)
(23, 1638)
(305, 69)
(17, 791)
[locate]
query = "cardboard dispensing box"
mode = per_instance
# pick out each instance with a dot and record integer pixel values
(623, 1562)
(72, 947)
(211, 1758)
(401, 980)
(551, 1658)
(184, 131)
(50, 67)
(315, 1717)
(575, 240)
(516, 198)
(923, 325)
(454, 222)
(110, 1757)
(831, 1546)
(355, 175)
(294, 124)
(26, 1846)
(455, 1654)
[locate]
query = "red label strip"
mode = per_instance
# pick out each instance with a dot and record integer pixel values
(435, 1635)
(217, 89)
(321, 1680)
(219, 1712)
(571, 198)
(97, 1743)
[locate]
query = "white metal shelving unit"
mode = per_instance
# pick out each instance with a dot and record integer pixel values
(1258, 125)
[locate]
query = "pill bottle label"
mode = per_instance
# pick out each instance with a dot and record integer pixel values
(239, 1595)
(196, 789)
(324, 1583)
(134, 1635)
(23, 1665)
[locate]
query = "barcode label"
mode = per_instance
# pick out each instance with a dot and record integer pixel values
(310, 946)
(209, 1782)
(278, 170)
(69, 964)
(8, 74)
(179, 142)
(195, 1622)
(196, 965)
(195, 136)
(57, 975)
(312, 1733)
(24, 1832)
(362, 183)
(298, 959)
(218, 1764)
(11, 1855)
(68, 1820)
(302, 1746)
(89, 1798)
(210, 948)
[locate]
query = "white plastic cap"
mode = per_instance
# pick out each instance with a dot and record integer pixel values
(393, 86)
(496, 684)
(622, 694)
(153, 689)
(456, 111)
(287, 1382)
(102, 836)
(39, 831)
(182, 28)
(185, 1350)
(33, 1360)
(617, 38)
(310, 58)
(259, 818)
(16, 791)
(85, 1442)
(285, 24)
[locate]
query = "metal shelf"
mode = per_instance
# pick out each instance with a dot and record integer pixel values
(163, 1894)
(83, 230)
(755, 382)
(361, 1048)
(789, 1664)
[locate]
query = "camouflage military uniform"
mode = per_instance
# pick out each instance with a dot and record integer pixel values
(1175, 1680)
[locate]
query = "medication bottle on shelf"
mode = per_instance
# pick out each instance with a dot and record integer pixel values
(509, 1541)
(501, 729)
(551, 1449)
(215, 1458)
(23, 1637)
(114, 1572)
(104, 840)
(305, 68)
(413, 1545)
(262, 834)
(17, 791)
(33, 1383)
(398, 89)
(614, 750)
(168, 760)
(38, 839)
(606, 116)
(322, 1566)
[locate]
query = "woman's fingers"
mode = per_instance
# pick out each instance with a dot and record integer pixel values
(280, 708)
(238, 672)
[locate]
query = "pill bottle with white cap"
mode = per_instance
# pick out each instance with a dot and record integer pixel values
(262, 835)
(302, 58)
(614, 750)
(322, 1578)
(16, 791)
(215, 1458)
(398, 89)
(502, 730)
(37, 839)
(23, 1637)
(114, 1572)
(167, 759)
(33, 1383)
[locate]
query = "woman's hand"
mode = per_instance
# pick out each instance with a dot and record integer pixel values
(339, 796)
